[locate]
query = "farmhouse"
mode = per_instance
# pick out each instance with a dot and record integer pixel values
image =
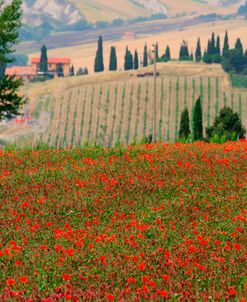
(53, 64)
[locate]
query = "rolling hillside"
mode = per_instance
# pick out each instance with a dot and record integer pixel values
(70, 12)
(117, 107)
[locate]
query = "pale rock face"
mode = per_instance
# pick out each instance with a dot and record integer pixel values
(57, 10)
(153, 5)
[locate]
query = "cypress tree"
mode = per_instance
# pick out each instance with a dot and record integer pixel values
(60, 72)
(239, 47)
(136, 60)
(99, 62)
(72, 71)
(128, 60)
(168, 53)
(197, 121)
(226, 44)
(218, 45)
(209, 53)
(157, 51)
(131, 60)
(184, 131)
(113, 59)
(212, 45)
(198, 53)
(145, 56)
(184, 52)
(43, 65)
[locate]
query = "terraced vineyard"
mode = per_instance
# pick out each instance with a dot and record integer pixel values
(111, 111)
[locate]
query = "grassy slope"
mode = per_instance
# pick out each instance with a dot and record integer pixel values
(117, 106)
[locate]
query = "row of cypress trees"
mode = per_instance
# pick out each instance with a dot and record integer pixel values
(212, 54)
(197, 129)
(131, 61)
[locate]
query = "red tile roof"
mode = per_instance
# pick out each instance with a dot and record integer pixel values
(53, 60)
(20, 71)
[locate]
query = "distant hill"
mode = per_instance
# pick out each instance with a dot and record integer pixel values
(43, 16)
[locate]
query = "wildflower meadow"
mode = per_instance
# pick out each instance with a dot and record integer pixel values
(145, 223)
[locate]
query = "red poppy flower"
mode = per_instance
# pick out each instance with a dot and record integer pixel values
(10, 282)
(66, 277)
(23, 279)
(110, 297)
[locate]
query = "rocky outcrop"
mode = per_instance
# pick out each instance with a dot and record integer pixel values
(154, 6)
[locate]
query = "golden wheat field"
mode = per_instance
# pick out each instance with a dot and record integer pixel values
(117, 107)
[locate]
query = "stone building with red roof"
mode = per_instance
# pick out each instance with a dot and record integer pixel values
(53, 64)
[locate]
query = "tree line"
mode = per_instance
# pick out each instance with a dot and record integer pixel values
(227, 126)
(233, 60)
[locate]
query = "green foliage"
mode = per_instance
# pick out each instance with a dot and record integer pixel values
(82, 71)
(233, 61)
(184, 52)
(10, 100)
(99, 62)
(59, 70)
(167, 56)
(43, 65)
(226, 44)
(113, 59)
(228, 124)
(136, 60)
(197, 121)
(239, 81)
(145, 56)
(184, 130)
(72, 71)
(10, 22)
(198, 54)
(128, 60)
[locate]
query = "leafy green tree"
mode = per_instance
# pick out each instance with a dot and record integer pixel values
(136, 60)
(228, 124)
(145, 56)
(113, 59)
(197, 121)
(43, 65)
(233, 61)
(10, 23)
(184, 130)
(198, 53)
(226, 44)
(184, 52)
(99, 61)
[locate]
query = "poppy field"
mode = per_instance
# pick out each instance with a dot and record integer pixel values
(144, 223)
